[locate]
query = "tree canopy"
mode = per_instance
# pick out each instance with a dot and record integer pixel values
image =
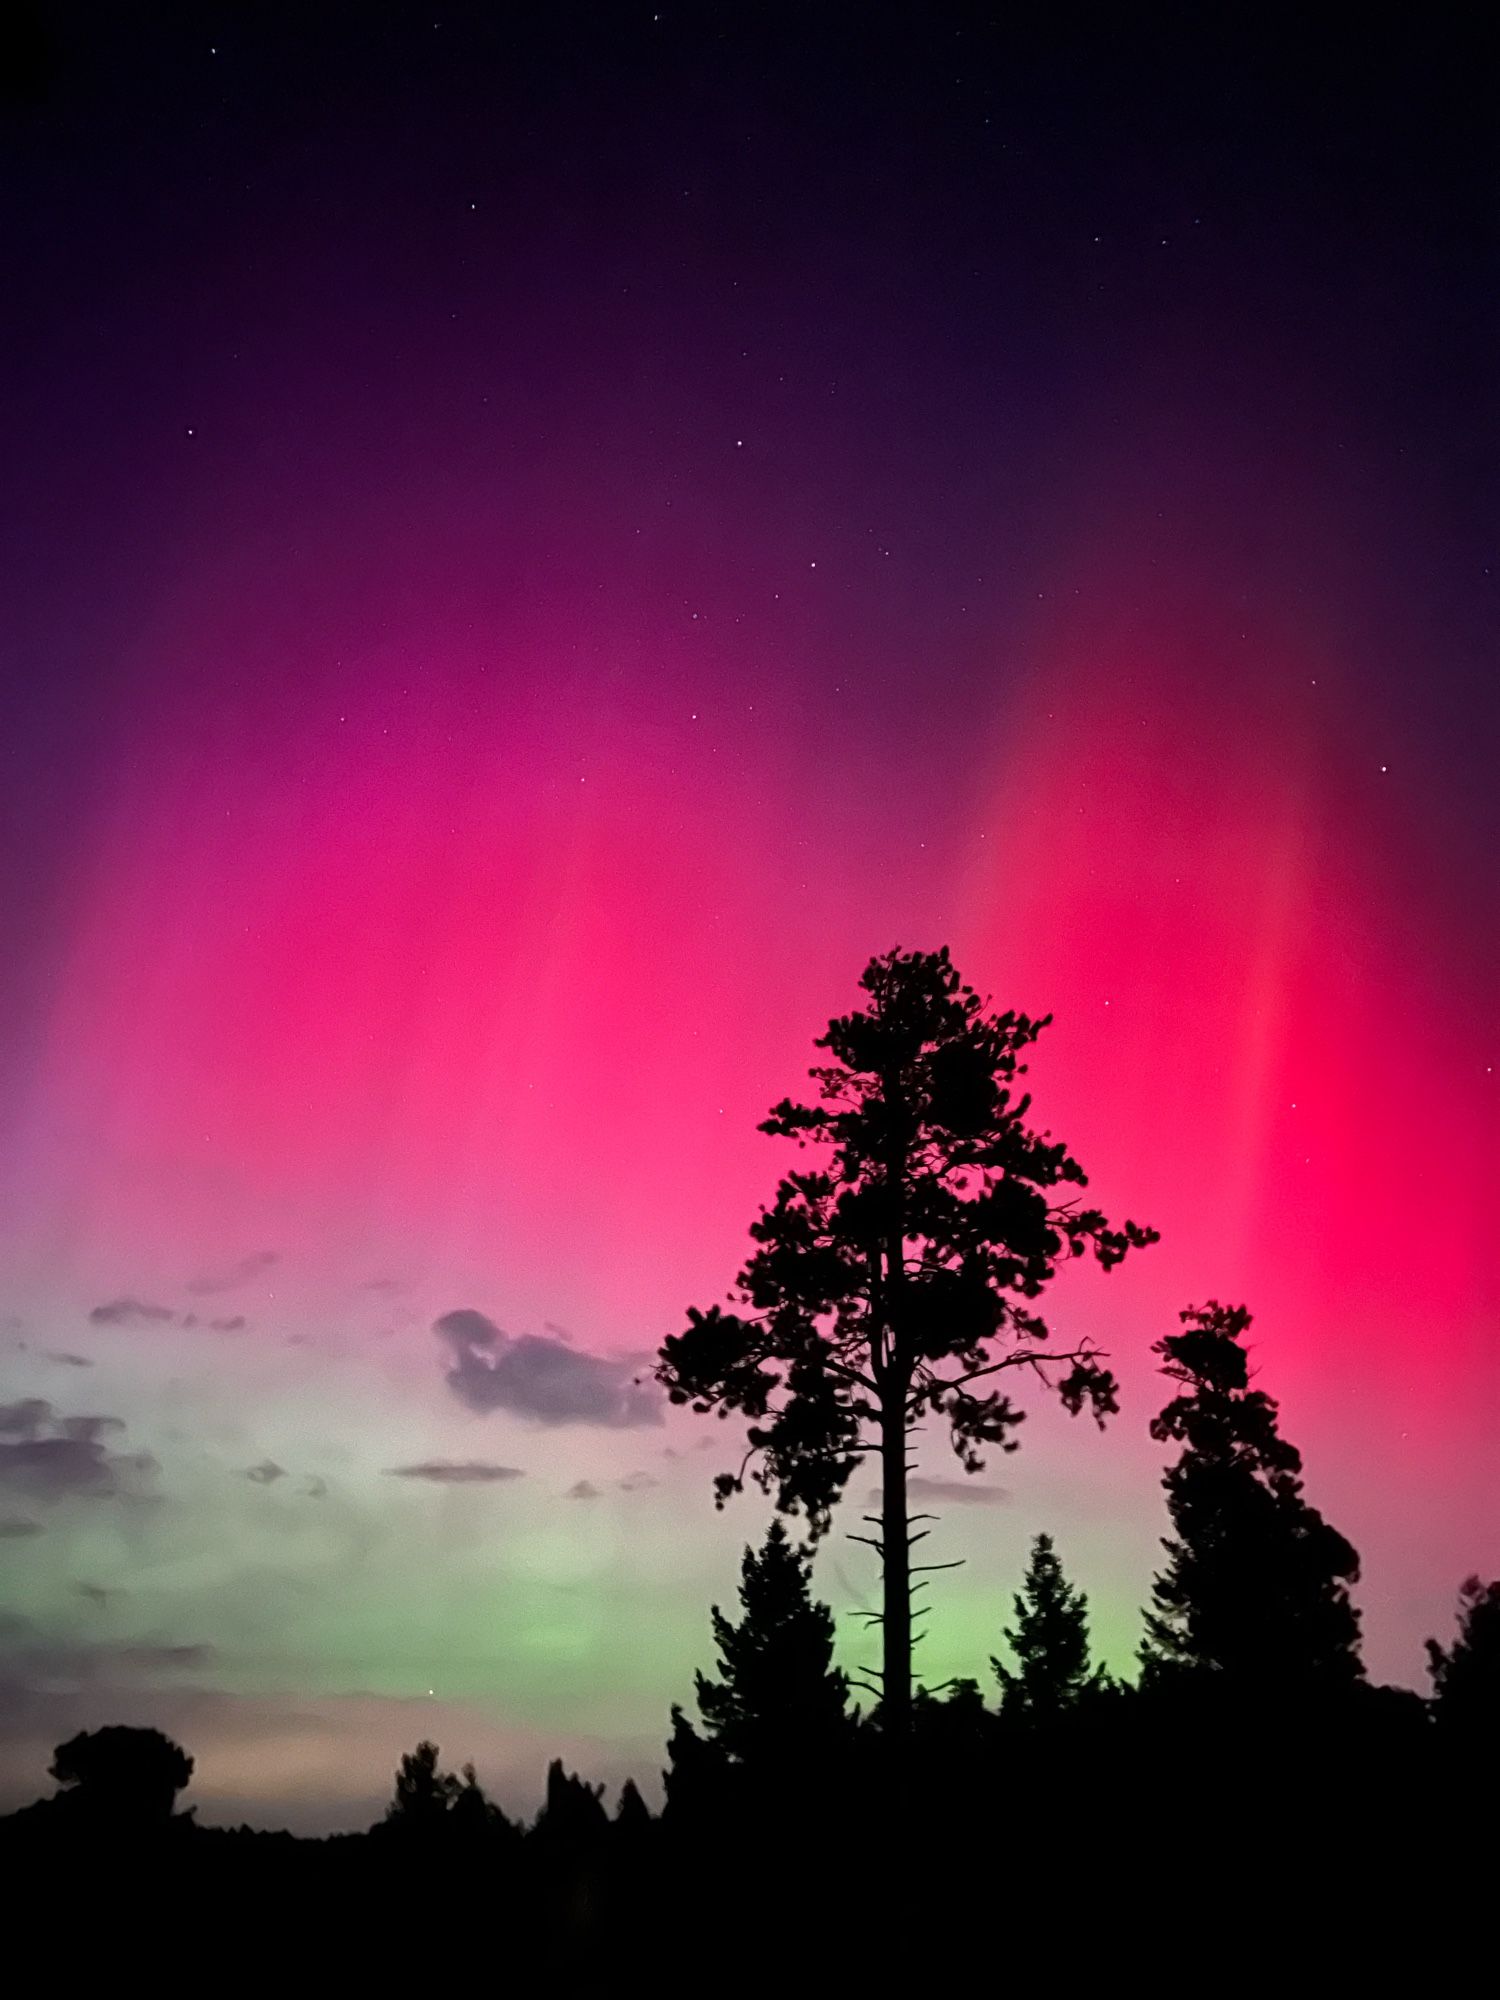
(133, 1773)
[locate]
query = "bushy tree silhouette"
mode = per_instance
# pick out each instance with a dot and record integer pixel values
(430, 1803)
(424, 1794)
(1050, 1642)
(900, 1272)
(1257, 1583)
(123, 1773)
(1466, 1673)
(574, 1810)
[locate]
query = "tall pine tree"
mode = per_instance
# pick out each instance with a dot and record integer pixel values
(1050, 1642)
(1256, 1586)
(900, 1276)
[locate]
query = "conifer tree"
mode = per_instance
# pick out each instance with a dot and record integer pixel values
(632, 1813)
(777, 1697)
(1257, 1582)
(901, 1271)
(1050, 1642)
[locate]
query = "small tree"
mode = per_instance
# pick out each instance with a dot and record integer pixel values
(1257, 1582)
(778, 1698)
(125, 1773)
(1466, 1674)
(632, 1814)
(901, 1272)
(424, 1794)
(1050, 1641)
(573, 1813)
(473, 1814)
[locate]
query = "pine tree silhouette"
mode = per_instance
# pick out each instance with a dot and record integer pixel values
(901, 1272)
(632, 1814)
(1050, 1641)
(1257, 1583)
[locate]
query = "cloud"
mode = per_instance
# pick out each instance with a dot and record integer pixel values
(130, 1312)
(66, 1360)
(138, 1312)
(539, 1377)
(13, 1528)
(636, 1482)
(967, 1492)
(30, 1660)
(456, 1472)
(26, 1418)
(232, 1276)
(161, 1659)
(51, 1457)
(585, 1489)
(266, 1473)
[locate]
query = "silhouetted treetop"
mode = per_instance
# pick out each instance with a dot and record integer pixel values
(134, 1773)
(1050, 1641)
(1257, 1582)
(777, 1694)
(423, 1792)
(1466, 1673)
(899, 1276)
(631, 1811)
(573, 1810)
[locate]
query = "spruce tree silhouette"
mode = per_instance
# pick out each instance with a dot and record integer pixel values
(632, 1814)
(1466, 1674)
(900, 1272)
(123, 1774)
(778, 1699)
(1050, 1641)
(1256, 1587)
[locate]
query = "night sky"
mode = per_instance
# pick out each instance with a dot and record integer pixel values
(534, 543)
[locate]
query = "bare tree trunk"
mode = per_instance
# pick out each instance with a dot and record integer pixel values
(895, 1628)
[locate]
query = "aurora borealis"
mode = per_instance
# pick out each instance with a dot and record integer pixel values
(532, 551)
